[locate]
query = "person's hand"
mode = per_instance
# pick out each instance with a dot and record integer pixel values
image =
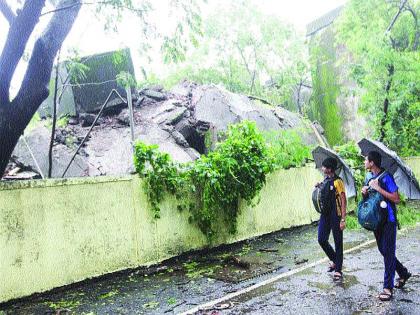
(365, 190)
(317, 184)
(342, 225)
(374, 184)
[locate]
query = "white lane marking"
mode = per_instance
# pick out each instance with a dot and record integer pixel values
(232, 295)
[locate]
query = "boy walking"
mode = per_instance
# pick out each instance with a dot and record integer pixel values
(386, 235)
(334, 220)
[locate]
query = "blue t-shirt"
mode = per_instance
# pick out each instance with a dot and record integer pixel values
(387, 183)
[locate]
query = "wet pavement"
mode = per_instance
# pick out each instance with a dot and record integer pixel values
(183, 283)
(313, 290)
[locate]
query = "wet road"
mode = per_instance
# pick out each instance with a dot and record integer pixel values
(313, 291)
(187, 282)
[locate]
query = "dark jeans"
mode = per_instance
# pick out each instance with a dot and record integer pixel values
(386, 238)
(326, 224)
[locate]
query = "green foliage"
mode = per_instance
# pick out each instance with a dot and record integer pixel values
(235, 170)
(160, 171)
(386, 67)
(287, 149)
(323, 106)
(212, 186)
(126, 79)
(194, 270)
(76, 68)
(408, 215)
(63, 121)
(35, 120)
(171, 301)
(351, 222)
(239, 49)
(350, 152)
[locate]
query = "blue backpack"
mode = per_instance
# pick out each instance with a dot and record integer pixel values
(370, 214)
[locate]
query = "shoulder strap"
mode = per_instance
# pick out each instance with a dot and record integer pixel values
(382, 175)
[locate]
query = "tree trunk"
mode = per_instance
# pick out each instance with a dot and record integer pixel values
(298, 97)
(15, 115)
(12, 126)
(386, 102)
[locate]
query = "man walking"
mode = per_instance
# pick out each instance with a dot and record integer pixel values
(334, 220)
(386, 234)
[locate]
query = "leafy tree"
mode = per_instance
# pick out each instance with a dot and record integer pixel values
(248, 52)
(16, 112)
(383, 38)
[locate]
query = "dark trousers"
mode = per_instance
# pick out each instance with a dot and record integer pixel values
(386, 238)
(326, 224)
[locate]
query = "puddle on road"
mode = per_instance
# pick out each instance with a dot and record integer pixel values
(264, 290)
(347, 282)
(321, 285)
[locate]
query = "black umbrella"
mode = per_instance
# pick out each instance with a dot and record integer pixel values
(343, 170)
(391, 162)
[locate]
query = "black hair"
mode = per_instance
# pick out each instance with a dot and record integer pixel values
(375, 157)
(330, 163)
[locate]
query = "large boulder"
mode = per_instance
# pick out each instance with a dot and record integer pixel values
(219, 108)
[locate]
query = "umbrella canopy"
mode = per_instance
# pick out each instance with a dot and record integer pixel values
(343, 170)
(391, 162)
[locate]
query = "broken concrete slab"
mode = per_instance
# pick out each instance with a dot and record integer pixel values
(172, 117)
(179, 139)
(87, 120)
(155, 95)
(37, 144)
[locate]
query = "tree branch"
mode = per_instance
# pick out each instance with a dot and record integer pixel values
(416, 26)
(111, 3)
(400, 9)
(7, 12)
(16, 41)
(38, 74)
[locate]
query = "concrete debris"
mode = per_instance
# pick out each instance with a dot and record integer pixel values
(155, 95)
(86, 120)
(124, 117)
(178, 121)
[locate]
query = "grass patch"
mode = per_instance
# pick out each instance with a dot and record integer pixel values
(171, 301)
(63, 304)
(108, 295)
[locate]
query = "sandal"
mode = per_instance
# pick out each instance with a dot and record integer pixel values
(331, 267)
(402, 281)
(338, 276)
(385, 296)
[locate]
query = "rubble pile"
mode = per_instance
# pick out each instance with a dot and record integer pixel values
(181, 121)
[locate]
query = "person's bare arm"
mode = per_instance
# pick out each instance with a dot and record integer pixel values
(343, 205)
(343, 210)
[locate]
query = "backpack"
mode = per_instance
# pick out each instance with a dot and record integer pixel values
(323, 196)
(370, 211)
